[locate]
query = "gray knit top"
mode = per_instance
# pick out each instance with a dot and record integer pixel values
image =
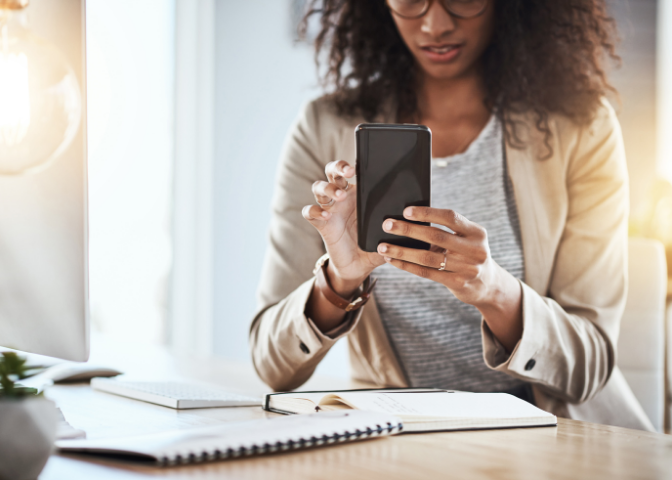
(436, 337)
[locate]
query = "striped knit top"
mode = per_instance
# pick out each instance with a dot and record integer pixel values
(436, 337)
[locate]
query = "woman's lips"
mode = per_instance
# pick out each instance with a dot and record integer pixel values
(441, 53)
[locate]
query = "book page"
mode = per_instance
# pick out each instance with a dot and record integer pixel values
(313, 397)
(444, 404)
(286, 401)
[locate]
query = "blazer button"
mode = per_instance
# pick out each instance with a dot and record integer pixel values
(528, 366)
(303, 348)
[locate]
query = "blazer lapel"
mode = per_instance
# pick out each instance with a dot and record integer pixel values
(541, 199)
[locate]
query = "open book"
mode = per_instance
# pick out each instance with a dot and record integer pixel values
(421, 410)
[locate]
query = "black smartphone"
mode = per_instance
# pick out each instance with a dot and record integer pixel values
(393, 172)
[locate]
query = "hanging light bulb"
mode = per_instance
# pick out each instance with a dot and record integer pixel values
(40, 100)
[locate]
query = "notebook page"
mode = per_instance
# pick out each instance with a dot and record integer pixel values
(446, 405)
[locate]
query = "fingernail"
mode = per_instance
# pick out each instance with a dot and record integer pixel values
(388, 225)
(382, 248)
(339, 193)
(408, 212)
(387, 259)
(326, 214)
(349, 170)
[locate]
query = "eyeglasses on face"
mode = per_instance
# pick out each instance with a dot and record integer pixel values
(411, 9)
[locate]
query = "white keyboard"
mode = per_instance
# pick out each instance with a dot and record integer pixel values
(174, 394)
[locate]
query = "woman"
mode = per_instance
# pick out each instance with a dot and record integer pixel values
(529, 208)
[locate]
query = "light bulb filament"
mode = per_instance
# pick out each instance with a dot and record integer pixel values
(14, 98)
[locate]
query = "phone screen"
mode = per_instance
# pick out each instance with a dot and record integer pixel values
(393, 172)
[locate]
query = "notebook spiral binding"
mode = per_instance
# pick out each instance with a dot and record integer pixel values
(302, 443)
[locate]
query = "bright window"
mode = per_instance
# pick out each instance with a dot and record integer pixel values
(130, 55)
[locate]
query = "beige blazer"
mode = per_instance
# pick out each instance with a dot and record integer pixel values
(573, 210)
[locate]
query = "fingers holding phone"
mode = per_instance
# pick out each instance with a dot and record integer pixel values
(461, 260)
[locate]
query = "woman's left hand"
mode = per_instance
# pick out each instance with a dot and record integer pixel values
(470, 272)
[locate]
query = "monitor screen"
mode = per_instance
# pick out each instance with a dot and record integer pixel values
(43, 218)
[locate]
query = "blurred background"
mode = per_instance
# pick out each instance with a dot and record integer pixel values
(189, 105)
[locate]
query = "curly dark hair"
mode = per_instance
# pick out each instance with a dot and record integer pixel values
(546, 56)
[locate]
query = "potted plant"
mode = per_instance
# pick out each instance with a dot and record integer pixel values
(27, 422)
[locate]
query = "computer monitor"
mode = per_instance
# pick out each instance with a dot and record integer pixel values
(43, 222)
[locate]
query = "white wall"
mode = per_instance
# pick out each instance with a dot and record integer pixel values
(262, 80)
(190, 306)
(130, 93)
(664, 93)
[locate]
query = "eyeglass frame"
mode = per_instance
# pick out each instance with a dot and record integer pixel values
(428, 3)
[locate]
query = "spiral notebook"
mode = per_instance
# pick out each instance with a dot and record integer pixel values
(251, 437)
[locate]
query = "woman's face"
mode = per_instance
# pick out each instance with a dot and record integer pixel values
(446, 46)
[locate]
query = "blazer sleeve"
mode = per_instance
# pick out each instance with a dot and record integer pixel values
(568, 346)
(286, 346)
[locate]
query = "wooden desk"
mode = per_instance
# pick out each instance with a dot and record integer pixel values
(572, 450)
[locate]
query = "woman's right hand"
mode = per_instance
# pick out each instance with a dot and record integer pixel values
(335, 217)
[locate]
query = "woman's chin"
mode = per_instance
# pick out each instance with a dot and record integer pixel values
(444, 72)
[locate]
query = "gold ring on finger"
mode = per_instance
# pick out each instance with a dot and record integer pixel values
(347, 187)
(443, 264)
(325, 205)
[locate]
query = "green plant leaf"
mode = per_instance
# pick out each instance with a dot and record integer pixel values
(14, 368)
